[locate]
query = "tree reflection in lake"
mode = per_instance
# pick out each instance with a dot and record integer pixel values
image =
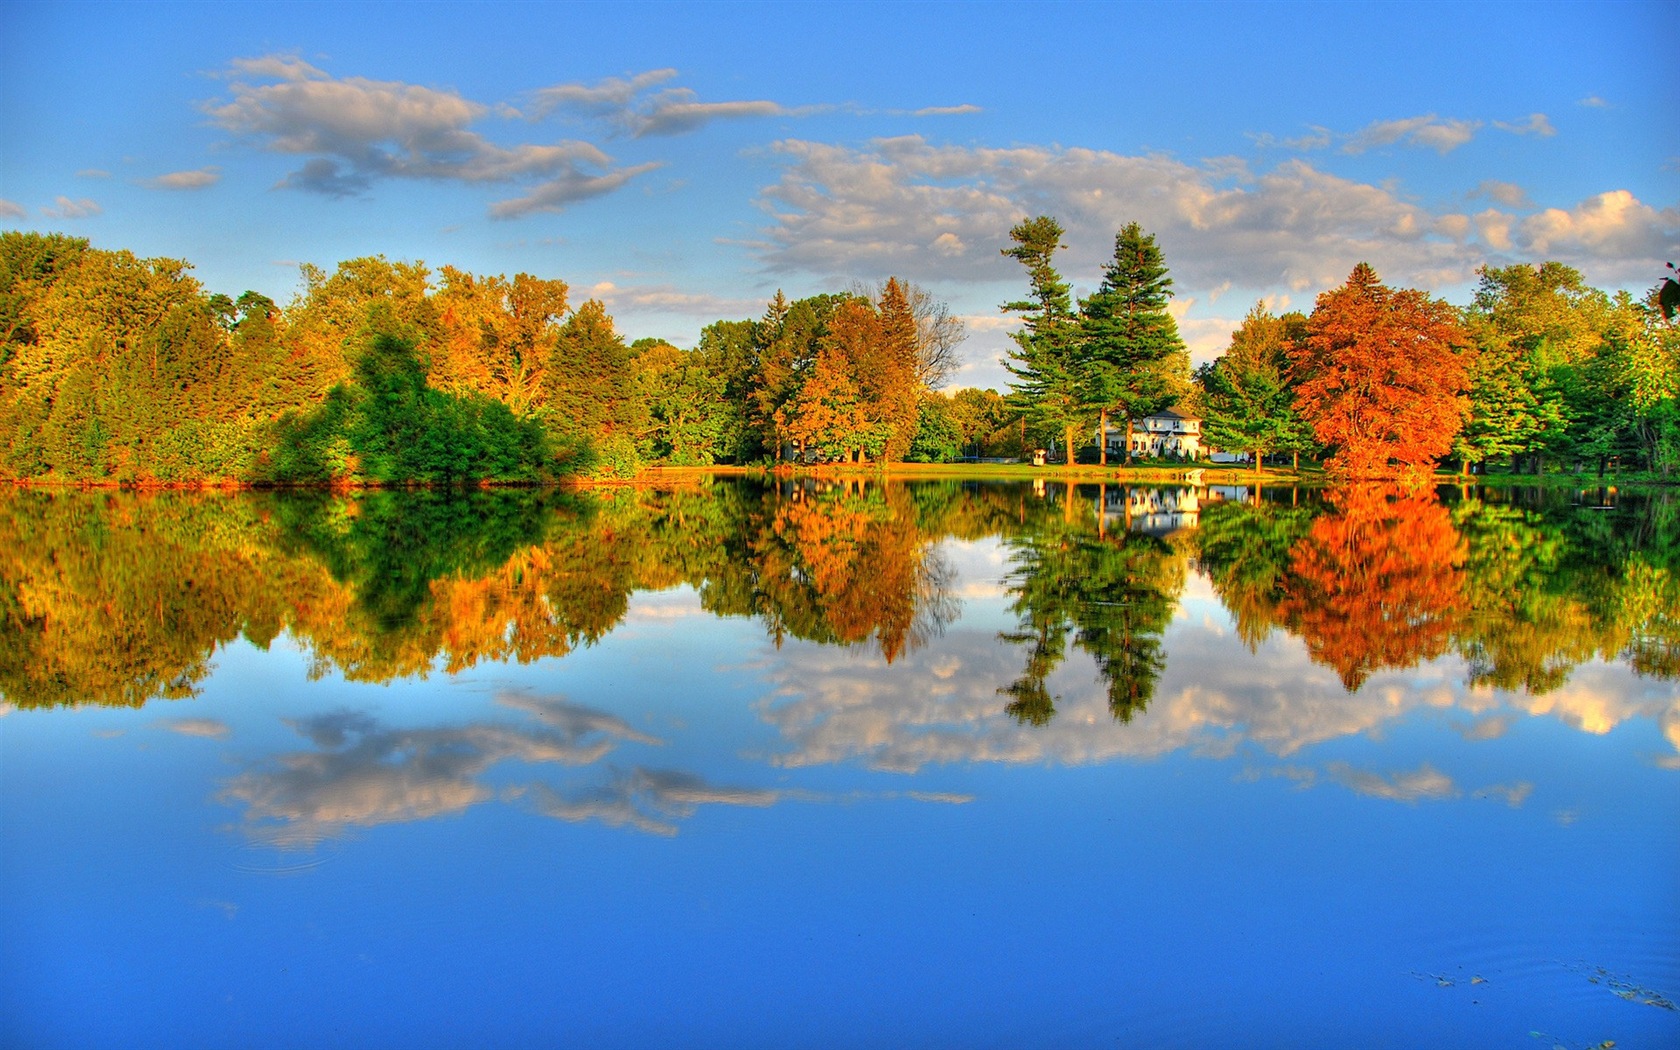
(117, 598)
(1114, 593)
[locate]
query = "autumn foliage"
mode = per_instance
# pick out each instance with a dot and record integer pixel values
(1377, 583)
(1382, 373)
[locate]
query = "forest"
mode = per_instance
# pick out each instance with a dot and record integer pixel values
(120, 370)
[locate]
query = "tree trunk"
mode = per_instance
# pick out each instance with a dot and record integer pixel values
(1102, 438)
(1067, 434)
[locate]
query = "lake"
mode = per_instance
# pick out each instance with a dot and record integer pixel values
(841, 763)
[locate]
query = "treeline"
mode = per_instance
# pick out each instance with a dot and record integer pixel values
(1382, 381)
(120, 369)
(119, 598)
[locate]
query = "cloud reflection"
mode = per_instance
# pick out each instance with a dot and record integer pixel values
(1425, 783)
(362, 774)
(940, 706)
(647, 799)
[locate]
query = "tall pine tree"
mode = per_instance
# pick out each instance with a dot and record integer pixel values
(1050, 386)
(1135, 361)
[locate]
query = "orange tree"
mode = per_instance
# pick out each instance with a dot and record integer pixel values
(1381, 377)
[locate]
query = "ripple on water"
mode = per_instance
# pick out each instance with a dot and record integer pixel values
(256, 857)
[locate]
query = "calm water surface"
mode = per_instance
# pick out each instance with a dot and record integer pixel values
(841, 765)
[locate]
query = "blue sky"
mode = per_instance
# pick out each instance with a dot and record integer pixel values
(683, 161)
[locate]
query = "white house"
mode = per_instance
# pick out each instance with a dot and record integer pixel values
(1166, 433)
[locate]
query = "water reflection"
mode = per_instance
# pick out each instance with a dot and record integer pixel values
(120, 598)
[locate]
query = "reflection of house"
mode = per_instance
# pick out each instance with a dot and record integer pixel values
(1156, 511)
(1163, 510)
(1166, 433)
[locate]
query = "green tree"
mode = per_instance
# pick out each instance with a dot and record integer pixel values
(590, 387)
(1051, 385)
(1248, 398)
(1133, 358)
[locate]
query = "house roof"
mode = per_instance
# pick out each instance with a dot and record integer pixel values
(1170, 413)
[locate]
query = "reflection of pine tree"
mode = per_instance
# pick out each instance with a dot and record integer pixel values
(1114, 594)
(1128, 591)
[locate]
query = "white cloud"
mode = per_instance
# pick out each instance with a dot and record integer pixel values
(11, 209)
(1430, 132)
(1536, 124)
(1594, 102)
(932, 213)
(946, 111)
(1613, 224)
(66, 208)
(1507, 193)
(197, 179)
(356, 130)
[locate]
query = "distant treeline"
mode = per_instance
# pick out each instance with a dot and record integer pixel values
(119, 369)
(116, 369)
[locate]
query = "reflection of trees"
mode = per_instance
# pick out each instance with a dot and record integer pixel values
(1114, 594)
(1377, 582)
(848, 566)
(118, 597)
(1245, 549)
(1525, 586)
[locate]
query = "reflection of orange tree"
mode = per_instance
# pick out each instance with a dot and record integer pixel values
(850, 565)
(1378, 582)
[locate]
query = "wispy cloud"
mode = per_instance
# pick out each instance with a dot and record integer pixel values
(356, 131)
(631, 106)
(1594, 102)
(362, 774)
(65, 208)
(665, 298)
(12, 209)
(1507, 193)
(1315, 138)
(1536, 124)
(1513, 795)
(93, 173)
(945, 111)
(1428, 132)
(197, 179)
(650, 800)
